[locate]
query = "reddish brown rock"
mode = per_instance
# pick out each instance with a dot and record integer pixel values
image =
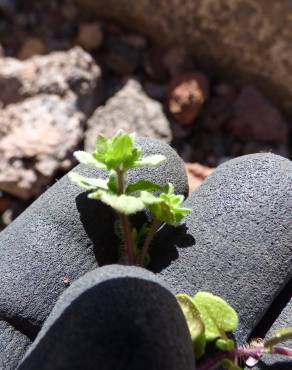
(255, 118)
(90, 35)
(197, 173)
(32, 46)
(186, 95)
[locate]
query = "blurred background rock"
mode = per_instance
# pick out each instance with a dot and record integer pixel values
(212, 78)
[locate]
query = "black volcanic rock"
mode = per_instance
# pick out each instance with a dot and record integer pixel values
(237, 242)
(61, 236)
(114, 317)
(13, 345)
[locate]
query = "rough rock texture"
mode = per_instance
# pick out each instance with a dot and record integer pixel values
(71, 73)
(213, 30)
(44, 97)
(13, 345)
(37, 138)
(131, 110)
(61, 236)
(278, 362)
(255, 118)
(237, 242)
(115, 317)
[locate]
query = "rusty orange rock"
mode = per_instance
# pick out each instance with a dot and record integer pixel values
(185, 96)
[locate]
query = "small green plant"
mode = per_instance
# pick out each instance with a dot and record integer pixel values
(117, 156)
(210, 319)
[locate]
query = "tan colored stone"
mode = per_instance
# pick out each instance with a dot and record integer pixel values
(130, 109)
(197, 173)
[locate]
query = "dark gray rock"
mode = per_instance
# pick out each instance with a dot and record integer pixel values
(13, 345)
(62, 236)
(237, 242)
(114, 317)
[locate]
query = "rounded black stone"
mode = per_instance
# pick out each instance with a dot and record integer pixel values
(237, 242)
(13, 345)
(63, 235)
(114, 317)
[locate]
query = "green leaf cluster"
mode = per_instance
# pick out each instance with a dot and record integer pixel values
(118, 153)
(209, 318)
(167, 206)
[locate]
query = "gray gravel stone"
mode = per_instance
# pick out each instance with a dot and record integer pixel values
(115, 317)
(63, 235)
(13, 345)
(237, 243)
(132, 110)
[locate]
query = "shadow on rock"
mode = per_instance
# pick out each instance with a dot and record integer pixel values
(164, 248)
(98, 221)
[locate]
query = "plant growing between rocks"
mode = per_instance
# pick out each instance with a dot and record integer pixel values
(210, 319)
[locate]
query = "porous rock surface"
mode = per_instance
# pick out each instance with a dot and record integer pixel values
(44, 97)
(237, 242)
(213, 30)
(13, 345)
(114, 317)
(60, 237)
(132, 110)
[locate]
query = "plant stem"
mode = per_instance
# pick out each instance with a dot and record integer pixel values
(151, 233)
(125, 220)
(215, 361)
(128, 237)
(284, 351)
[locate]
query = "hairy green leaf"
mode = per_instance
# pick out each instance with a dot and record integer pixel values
(167, 206)
(125, 204)
(217, 315)
(194, 322)
(87, 183)
(150, 161)
(142, 185)
(88, 159)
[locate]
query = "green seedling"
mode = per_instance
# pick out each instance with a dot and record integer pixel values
(210, 320)
(116, 157)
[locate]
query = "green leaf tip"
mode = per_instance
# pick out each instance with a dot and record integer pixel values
(217, 315)
(87, 183)
(194, 322)
(167, 206)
